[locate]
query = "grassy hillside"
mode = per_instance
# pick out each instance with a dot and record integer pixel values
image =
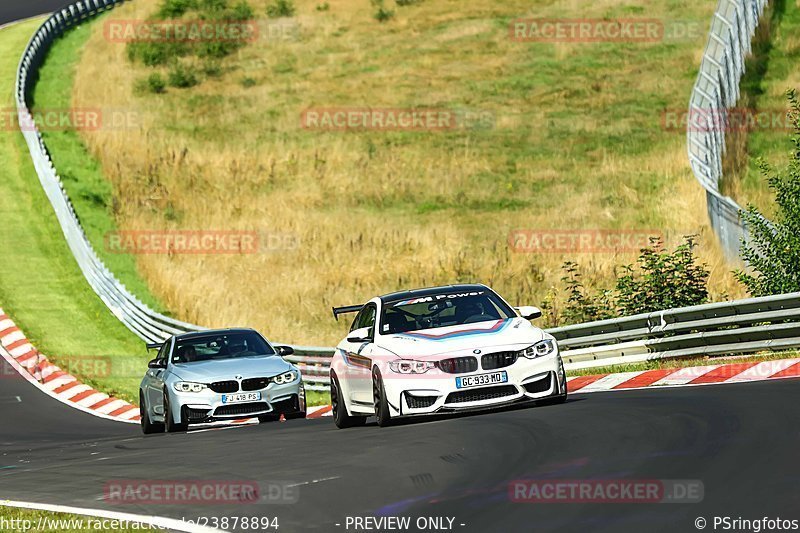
(771, 71)
(41, 286)
(576, 142)
(88, 189)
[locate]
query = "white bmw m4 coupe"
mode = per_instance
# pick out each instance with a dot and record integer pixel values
(452, 348)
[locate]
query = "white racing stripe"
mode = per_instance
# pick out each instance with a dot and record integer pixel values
(21, 350)
(14, 336)
(74, 391)
(92, 399)
(111, 407)
(158, 521)
(56, 383)
(610, 381)
(763, 370)
(685, 375)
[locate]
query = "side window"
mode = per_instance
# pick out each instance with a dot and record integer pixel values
(365, 318)
(368, 319)
(164, 350)
(357, 319)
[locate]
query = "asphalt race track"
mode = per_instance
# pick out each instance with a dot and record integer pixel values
(18, 10)
(740, 440)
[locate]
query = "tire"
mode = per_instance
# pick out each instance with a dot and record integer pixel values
(169, 423)
(382, 414)
(340, 415)
(148, 427)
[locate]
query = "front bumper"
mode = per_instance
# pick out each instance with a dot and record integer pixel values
(528, 380)
(195, 408)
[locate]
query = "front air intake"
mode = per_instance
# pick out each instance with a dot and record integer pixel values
(458, 365)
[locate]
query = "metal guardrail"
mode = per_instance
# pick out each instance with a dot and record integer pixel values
(715, 92)
(147, 324)
(729, 327)
(140, 319)
(742, 326)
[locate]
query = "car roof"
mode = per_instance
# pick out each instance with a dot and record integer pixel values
(430, 291)
(207, 332)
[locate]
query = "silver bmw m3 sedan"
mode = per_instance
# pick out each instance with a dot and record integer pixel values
(216, 375)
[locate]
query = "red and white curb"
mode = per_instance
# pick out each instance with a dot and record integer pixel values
(688, 376)
(319, 411)
(676, 377)
(52, 380)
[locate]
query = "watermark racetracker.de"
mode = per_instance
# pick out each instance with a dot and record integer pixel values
(180, 31)
(700, 120)
(580, 240)
(70, 119)
(199, 242)
(199, 492)
(539, 491)
(346, 118)
(604, 30)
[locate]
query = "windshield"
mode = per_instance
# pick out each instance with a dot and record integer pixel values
(221, 346)
(441, 310)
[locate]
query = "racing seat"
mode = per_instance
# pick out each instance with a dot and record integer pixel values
(472, 312)
(398, 323)
(186, 354)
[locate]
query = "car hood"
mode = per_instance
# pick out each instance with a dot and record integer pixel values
(225, 369)
(515, 333)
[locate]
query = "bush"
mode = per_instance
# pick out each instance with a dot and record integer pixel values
(213, 5)
(162, 53)
(217, 49)
(171, 9)
(248, 82)
(153, 84)
(280, 9)
(181, 77)
(382, 14)
(404, 3)
(242, 11)
(155, 54)
(324, 6)
(663, 280)
(773, 253)
(581, 306)
(212, 70)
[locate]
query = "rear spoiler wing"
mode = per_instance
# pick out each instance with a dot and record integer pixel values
(345, 310)
(154, 345)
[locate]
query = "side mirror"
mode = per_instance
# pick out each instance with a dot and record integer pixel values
(360, 335)
(284, 350)
(529, 312)
(156, 363)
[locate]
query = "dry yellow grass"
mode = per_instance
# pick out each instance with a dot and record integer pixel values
(577, 144)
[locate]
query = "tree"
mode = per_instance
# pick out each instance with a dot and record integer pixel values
(772, 253)
(665, 280)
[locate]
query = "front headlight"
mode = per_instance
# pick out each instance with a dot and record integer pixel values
(407, 366)
(286, 377)
(540, 349)
(188, 386)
